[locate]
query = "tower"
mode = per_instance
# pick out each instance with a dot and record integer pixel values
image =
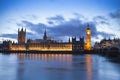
(73, 39)
(88, 38)
(69, 40)
(21, 35)
(45, 36)
(81, 43)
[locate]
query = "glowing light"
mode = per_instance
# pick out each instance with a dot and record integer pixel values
(88, 39)
(88, 32)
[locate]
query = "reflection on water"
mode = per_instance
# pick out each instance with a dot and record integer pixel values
(57, 67)
(89, 66)
(46, 57)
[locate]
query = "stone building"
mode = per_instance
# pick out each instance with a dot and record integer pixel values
(21, 36)
(105, 43)
(47, 43)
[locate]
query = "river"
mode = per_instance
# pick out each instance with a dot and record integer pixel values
(57, 67)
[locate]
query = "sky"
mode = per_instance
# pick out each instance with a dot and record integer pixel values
(61, 18)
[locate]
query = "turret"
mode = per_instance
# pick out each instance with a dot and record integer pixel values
(69, 40)
(81, 39)
(73, 39)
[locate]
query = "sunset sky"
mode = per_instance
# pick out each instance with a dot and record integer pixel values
(61, 18)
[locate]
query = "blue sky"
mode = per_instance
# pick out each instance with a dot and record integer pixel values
(61, 18)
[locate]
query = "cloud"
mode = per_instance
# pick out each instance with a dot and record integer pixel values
(100, 17)
(105, 34)
(34, 27)
(101, 20)
(12, 37)
(115, 15)
(79, 16)
(30, 35)
(51, 22)
(70, 28)
(9, 35)
(31, 17)
(56, 19)
(60, 28)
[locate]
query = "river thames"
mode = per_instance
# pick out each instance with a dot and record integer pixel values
(57, 67)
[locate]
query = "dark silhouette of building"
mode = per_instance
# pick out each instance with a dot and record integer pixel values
(45, 36)
(78, 45)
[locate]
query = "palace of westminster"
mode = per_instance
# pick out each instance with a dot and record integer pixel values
(47, 44)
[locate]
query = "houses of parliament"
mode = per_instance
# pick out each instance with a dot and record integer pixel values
(48, 44)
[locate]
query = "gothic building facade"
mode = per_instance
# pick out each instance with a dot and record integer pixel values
(48, 44)
(78, 45)
(106, 43)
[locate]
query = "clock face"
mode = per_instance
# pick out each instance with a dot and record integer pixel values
(88, 32)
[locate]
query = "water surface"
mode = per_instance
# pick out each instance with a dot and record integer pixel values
(57, 67)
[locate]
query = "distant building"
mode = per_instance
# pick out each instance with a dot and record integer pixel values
(105, 43)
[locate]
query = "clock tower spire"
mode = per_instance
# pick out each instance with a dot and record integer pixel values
(88, 38)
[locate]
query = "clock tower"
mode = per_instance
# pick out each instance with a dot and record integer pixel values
(88, 38)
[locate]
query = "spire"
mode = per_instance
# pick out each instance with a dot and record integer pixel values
(45, 35)
(88, 27)
(45, 31)
(69, 39)
(109, 39)
(22, 29)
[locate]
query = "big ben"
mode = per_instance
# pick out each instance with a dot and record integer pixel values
(88, 38)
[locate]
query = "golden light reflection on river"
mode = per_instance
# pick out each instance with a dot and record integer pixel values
(47, 57)
(89, 66)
